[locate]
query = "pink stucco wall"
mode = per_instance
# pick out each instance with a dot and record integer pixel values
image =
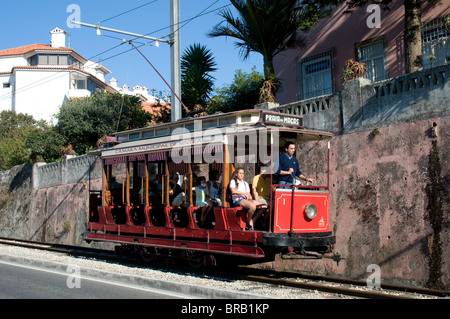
(341, 33)
(381, 209)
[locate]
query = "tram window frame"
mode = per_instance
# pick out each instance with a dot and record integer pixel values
(119, 174)
(115, 169)
(190, 127)
(122, 138)
(209, 124)
(148, 134)
(156, 168)
(246, 118)
(134, 136)
(161, 132)
(227, 121)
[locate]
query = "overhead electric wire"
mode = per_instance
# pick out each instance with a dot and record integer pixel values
(175, 94)
(128, 11)
(181, 24)
(185, 22)
(201, 14)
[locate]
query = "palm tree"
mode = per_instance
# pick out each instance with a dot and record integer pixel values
(197, 63)
(264, 26)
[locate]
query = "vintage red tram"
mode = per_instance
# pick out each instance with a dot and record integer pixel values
(143, 168)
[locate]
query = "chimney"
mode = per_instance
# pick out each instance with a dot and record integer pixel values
(58, 38)
(113, 82)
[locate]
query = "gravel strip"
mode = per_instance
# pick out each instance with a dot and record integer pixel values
(241, 286)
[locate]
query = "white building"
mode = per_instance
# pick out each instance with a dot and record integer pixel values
(38, 78)
(140, 91)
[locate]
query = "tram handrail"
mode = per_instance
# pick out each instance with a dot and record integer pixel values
(312, 187)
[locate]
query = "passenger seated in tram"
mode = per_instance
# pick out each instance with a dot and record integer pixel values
(241, 196)
(214, 189)
(261, 187)
(175, 190)
(203, 201)
(155, 190)
(115, 184)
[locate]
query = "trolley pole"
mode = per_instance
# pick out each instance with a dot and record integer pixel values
(175, 55)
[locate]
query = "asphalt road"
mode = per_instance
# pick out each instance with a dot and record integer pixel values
(25, 282)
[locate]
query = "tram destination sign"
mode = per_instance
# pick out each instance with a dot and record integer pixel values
(283, 119)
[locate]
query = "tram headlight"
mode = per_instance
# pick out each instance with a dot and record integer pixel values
(311, 211)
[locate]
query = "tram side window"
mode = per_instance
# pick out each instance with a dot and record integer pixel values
(137, 183)
(117, 180)
(155, 184)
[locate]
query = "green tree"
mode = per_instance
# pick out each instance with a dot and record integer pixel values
(45, 145)
(242, 94)
(197, 63)
(14, 130)
(84, 121)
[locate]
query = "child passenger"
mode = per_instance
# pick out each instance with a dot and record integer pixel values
(203, 201)
(213, 187)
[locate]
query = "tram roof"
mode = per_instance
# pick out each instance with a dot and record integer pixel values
(220, 120)
(165, 136)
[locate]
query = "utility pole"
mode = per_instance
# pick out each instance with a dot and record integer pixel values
(175, 56)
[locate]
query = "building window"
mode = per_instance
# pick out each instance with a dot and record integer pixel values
(435, 43)
(6, 85)
(80, 84)
(63, 60)
(33, 60)
(316, 76)
(51, 59)
(373, 56)
(75, 63)
(42, 59)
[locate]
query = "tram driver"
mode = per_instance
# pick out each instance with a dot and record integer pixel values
(288, 167)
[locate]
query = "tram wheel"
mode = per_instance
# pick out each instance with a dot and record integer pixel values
(195, 259)
(147, 255)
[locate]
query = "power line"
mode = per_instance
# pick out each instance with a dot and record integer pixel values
(174, 93)
(184, 22)
(128, 11)
(181, 24)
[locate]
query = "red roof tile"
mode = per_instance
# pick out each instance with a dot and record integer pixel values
(31, 47)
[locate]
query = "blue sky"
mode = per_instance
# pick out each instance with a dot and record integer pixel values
(26, 22)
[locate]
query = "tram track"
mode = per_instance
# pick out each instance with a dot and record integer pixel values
(339, 287)
(345, 286)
